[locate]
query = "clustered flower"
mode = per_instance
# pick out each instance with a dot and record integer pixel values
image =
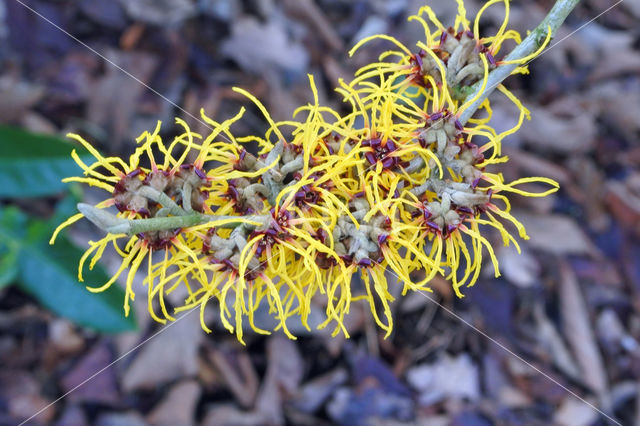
(398, 185)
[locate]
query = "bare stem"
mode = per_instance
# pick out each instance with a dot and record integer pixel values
(530, 44)
(115, 225)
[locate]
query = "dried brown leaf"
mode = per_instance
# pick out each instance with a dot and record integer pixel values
(239, 375)
(567, 126)
(574, 412)
(535, 165)
(101, 388)
(449, 377)
(556, 234)
(578, 330)
(64, 338)
(169, 355)
(22, 398)
(624, 204)
(315, 392)
(115, 96)
(550, 339)
(284, 373)
(521, 269)
(619, 103)
(178, 407)
(160, 12)
(256, 46)
(16, 97)
(311, 12)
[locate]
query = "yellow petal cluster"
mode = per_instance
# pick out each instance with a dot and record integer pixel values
(331, 203)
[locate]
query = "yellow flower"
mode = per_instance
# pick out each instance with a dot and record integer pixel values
(144, 187)
(442, 204)
(396, 184)
(462, 51)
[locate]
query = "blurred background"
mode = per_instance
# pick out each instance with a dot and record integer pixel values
(568, 305)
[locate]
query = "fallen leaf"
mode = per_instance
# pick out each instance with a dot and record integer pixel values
(21, 397)
(551, 342)
(16, 97)
(589, 190)
(36, 123)
(533, 384)
(563, 57)
(64, 338)
(578, 330)
(284, 373)
(514, 398)
(574, 412)
(374, 24)
(165, 13)
(615, 52)
(256, 46)
(449, 377)
(633, 6)
(567, 126)
(315, 392)
(224, 10)
(85, 385)
(619, 104)
(238, 373)
(315, 17)
(413, 301)
(435, 420)
(623, 391)
(521, 269)
(535, 165)
(496, 303)
(334, 70)
(612, 333)
(374, 370)
(624, 204)
(469, 417)
(494, 377)
(115, 96)
(178, 407)
(172, 353)
(555, 234)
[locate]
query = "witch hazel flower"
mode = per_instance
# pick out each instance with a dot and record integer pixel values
(141, 191)
(330, 203)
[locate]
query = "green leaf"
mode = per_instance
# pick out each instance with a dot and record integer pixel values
(49, 274)
(66, 207)
(8, 264)
(33, 165)
(11, 219)
(14, 224)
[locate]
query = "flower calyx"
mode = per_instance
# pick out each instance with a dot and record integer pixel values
(441, 128)
(461, 53)
(227, 252)
(361, 244)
